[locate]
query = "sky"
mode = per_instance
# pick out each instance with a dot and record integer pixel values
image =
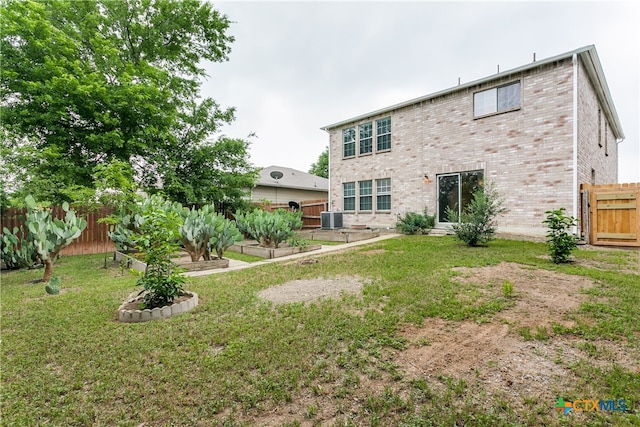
(295, 67)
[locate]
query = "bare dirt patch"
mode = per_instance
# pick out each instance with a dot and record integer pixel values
(542, 297)
(502, 363)
(494, 355)
(312, 289)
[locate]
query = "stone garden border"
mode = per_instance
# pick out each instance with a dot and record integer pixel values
(137, 316)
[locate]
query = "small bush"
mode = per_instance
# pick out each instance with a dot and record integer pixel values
(157, 239)
(559, 240)
(415, 223)
(297, 241)
(476, 225)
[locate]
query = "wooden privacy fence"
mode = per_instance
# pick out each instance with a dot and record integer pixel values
(610, 214)
(311, 210)
(93, 240)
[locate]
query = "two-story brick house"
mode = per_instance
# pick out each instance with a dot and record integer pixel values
(536, 131)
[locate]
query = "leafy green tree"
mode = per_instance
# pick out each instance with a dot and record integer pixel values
(114, 185)
(217, 173)
(85, 82)
(321, 167)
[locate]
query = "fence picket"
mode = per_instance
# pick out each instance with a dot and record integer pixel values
(613, 214)
(93, 240)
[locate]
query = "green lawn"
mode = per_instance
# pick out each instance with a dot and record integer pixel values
(238, 360)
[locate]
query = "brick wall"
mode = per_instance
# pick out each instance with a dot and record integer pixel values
(597, 147)
(528, 153)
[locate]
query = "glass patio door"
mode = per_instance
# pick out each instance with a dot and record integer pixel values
(455, 191)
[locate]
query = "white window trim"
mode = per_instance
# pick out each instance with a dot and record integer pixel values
(384, 150)
(354, 142)
(496, 88)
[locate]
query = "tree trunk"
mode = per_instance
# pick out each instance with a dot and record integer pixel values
(48, 269)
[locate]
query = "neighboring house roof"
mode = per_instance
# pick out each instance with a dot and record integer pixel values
(291, 178)
(589, 57)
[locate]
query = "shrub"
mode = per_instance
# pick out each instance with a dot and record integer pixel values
(415, 223)
(559, 240)
(157, 238)
(296, 241)
(476, 224)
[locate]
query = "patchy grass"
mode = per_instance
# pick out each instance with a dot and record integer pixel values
(325, 242)
(238, 360)
(242, 257)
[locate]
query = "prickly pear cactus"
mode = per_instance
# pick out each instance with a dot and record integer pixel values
(16, 249)
(195, 232)
(51, 235)
(268, 228)
(52, 287)
(225, 235)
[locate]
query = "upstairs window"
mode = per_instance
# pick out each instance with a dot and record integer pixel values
(366, 138)
(383, 128)
(349, 142)
(496, 100)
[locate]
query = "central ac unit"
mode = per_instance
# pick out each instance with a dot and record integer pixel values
(330, 220)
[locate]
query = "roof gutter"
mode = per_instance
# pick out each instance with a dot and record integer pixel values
(594, 70)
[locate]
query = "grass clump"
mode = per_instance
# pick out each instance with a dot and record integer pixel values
(507, 289)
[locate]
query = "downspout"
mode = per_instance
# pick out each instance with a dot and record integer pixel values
(329, 205)
(575, 229)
